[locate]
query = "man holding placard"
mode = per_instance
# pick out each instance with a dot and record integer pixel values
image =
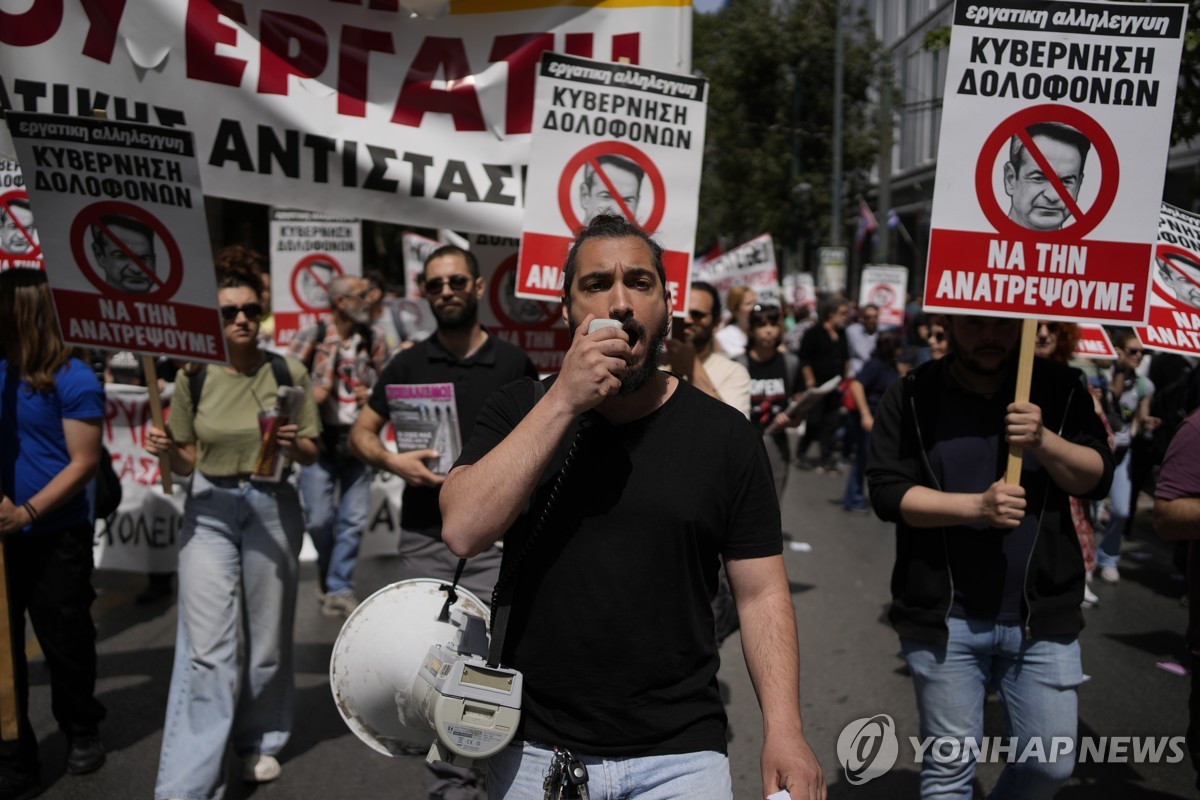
(988, 576)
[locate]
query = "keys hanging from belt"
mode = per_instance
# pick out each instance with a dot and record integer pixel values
(567, 778)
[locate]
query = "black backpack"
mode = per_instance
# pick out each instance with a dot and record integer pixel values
(283, 377)
(108, 487)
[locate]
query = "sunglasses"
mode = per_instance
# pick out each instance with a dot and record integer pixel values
(697, 315)
(938, 337)
(458, 283)
(1134, 351)
(253, 312)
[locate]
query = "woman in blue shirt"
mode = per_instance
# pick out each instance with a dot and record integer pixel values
(51, 406)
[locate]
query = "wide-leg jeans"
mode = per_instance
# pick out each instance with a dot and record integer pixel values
(238, 570)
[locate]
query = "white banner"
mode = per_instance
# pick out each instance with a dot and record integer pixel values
(356, 109)
(308, 250)
(751, 264)
(143, 536)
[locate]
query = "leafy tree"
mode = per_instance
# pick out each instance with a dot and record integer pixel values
(1187, 101)
(769, 143)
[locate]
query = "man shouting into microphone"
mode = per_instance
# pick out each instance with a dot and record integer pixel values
(988, 576)
(608, 572)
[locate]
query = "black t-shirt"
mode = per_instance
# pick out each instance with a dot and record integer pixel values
(827, 357)
(611, 621)
(876, 376)
(769, 392)
(493, 365)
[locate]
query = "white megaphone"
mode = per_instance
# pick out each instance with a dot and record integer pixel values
(409, 672)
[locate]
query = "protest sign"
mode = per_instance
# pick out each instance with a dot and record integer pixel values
(831, 269)
(535, 326)
(885, 287)
(751, 264)
(1174, 322)
(1094, 343)
(19, 243)
(1052, 156)
(308, 250)
(364, 109)
(121, 221)
(799, 290)
(612, 138)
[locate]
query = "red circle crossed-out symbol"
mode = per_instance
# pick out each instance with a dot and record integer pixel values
(1017, 125)
(500, 294)
(35, 249)
(882, 295)
(306, 273)
(90, 218)
(589, 155)
(1169, 254)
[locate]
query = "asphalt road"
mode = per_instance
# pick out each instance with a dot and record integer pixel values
(850, 670)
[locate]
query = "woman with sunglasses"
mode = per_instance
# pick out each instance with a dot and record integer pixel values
(938, 344)
(1126, 403)
(775, 379)
(238, 559)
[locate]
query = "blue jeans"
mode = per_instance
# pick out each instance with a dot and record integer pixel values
(517, 772)
(1109, 551)
(852, 498)
(238, 570)
(1036, 680)
(337, 551)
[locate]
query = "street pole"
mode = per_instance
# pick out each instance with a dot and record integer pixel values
(798, 254)
(839, 57)
(885, 162)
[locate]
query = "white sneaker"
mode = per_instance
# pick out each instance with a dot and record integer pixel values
(339, 604)
(261, 769)
(1090, 598)
(1110, 575)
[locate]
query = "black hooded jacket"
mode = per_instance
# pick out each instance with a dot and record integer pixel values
(923, 590)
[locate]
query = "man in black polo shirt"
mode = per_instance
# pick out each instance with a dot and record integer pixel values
(461, 352)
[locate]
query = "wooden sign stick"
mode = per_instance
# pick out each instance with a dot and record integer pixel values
(156, 414)
(9, 724)
(1024, 380)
